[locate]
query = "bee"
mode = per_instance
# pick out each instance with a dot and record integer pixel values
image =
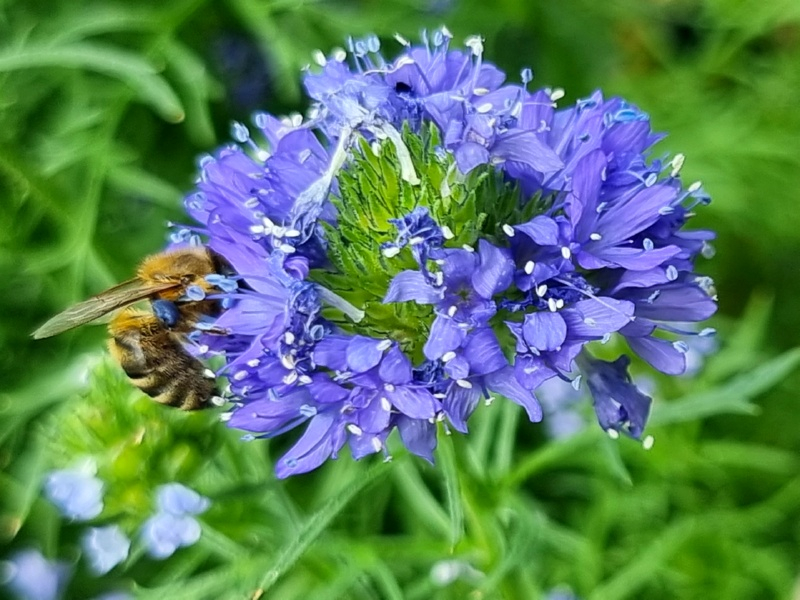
(149, 344)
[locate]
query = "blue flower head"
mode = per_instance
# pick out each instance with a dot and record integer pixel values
(431, 236)
(173, 526)
(30, 576)
(76, 493)
(105, 547)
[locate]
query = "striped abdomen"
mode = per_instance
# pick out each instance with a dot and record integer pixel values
(157, 363)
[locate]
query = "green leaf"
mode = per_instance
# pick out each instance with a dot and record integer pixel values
(733, 397)
(129, 67)
(452, 487)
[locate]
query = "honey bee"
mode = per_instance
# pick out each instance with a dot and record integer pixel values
(149, 344)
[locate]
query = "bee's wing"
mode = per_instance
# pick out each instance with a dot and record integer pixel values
(95, 307)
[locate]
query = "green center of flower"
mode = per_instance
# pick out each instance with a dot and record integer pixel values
(371, 192)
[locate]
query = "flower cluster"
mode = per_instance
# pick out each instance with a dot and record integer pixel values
(430, 236)
(78, 494)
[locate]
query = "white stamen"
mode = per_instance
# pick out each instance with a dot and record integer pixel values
(439, 277)
(384, 345)
(288, 361)
(451, 312)
(448, 356)
(388, 387)
(560, 303)
(541, 290)
(256, 229)
(218, 401)
(488, 401)
(484, 108)
(529, 266)
(508, 230)
(695, 186)
(304, 379)
(464, 384)
(354, 429)
(319, 57)
(286, 248)
(376, 444)
(440, 396)
(290, 377)
(416, 240)
(557, 94)
(566, 252)
(647, 244)
(576, 383)
(390, 251)
(671, 273)
(551, 304)
(677, 164)
(262, 154)
(209, 374)
(468, 248)
(474, 43)
(239, 375)
(595, 237)
(613, 434)
(401, 40)
(291, 233)
(481, 91)
(447, 233)
(225, 417)
(289, 337)
(647, 442)
(252, 363)
(339, 55)
(385, 404)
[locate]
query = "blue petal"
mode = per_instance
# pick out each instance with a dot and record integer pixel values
(459, 404)
(531, 371)
(483, 352)
(314, 447)
(458, 368)
(363, 353)
(592, 319)
(469, 155)
(495, 272)
(679, 302)
(504, 382)
(418, 435)
(637, 259)
(661, 354)
(411, 285)
(105, 547)
(582, 200)
(417, 403)
(395, 367)
(634, 214)
(177, 499)
(544, 330)
(444, 337)
(331, 352)
(617, 402)
(542, 230)
(519, 145)
(375, 417)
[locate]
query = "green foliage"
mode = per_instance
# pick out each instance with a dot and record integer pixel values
(103, 109)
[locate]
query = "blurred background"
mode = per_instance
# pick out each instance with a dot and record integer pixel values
(105, 108)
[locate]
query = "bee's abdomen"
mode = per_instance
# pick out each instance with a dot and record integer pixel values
(157, 364)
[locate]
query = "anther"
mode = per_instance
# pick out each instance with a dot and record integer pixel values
(464, 384)
(529, 266)
(647, 442)
(508, 230)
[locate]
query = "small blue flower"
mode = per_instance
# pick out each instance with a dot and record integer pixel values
(105, 547)
(173, 526)
(77, 495)
(30, 576)
(164, 533)
(177, 499)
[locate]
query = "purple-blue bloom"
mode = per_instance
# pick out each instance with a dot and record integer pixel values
(105, 547)
(30, 576)
(431, 236)
(173, 526)
(77, 494)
